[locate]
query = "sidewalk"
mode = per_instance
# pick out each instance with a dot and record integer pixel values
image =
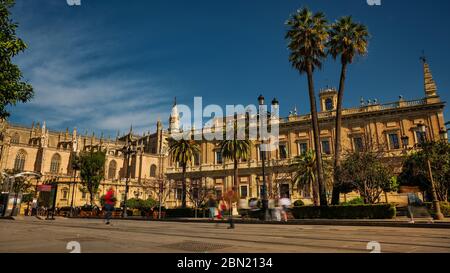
(398, 222)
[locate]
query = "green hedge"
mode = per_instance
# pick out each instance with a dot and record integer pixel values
(185, 213)
(379, 211)
(445, 208)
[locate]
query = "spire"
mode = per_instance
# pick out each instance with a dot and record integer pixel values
(430, 85)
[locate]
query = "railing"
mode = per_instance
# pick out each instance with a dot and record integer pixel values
(357, 110)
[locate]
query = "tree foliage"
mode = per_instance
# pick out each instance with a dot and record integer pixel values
(12, 88)
(368, 172)
(415, 168)
(92, 171)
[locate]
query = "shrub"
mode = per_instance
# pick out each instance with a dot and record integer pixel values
(299, 203)
(184, 213)
(445, 208)
(379, 211)
(356, 201)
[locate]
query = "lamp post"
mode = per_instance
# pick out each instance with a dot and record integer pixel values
(128, 151)
(424, 138)
(262, 150)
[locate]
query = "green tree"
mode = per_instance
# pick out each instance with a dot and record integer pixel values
(307, 36)
(368, 173)
(92, 171)
(12, 88)
(415, 172)
(235, 149)
(182, 152)
(304, 167)
(347, 40)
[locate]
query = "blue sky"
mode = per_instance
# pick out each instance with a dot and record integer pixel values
(110, 63)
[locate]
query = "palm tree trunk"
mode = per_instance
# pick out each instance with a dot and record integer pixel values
(314, 192)
(183, 194)
(316, 133)
(337, 149)
(236, 177)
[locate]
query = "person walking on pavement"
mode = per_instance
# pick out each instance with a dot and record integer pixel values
(231, 198)
(285, 203)
(110, 202)
(212, 205)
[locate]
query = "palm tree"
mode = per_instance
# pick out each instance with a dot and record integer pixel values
(183, 151)
(304, 167)
(235, 150)
(347, 40)
(307, 35)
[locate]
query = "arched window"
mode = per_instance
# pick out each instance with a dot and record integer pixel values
(19, 163)
(15, 139)
(55, 163)
(329, 104)
(153, 171)
(112, 170)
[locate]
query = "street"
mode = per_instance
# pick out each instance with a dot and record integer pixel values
(40, 236)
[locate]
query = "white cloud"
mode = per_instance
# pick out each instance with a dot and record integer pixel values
(77, 83)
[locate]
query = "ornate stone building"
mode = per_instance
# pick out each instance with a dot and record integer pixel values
(38, 149)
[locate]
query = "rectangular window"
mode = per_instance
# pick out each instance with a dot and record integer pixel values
(262, 154)
(261, 190)
(179, 193)
(195, 193)
(326, 148)
(394, 143)
(219, 192)
(219, 159)
(83, 195)
(302, 148)
(283, 151)
(306, 192)
(358, 143)
(197, 160)
(421, 137)
(244, 191)
(285, 191)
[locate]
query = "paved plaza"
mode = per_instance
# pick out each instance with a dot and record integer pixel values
(40, 236)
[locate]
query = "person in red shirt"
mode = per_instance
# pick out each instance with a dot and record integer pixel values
(110, 202)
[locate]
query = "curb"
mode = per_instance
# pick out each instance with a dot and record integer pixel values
(318, 222)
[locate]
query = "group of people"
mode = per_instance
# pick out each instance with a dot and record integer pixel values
(279, 207)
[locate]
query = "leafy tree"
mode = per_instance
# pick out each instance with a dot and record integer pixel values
(12, 88)
(307, 36)
(92, 170)
(199, 194)
(415, 170)
(183, 151)
(347, 40)
(367, 172)
(235, 149)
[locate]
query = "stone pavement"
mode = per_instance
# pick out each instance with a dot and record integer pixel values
(38, 236)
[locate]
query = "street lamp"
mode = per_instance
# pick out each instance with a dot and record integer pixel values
(128, 150)
(443, 134)
(422, 128)
(262, 150)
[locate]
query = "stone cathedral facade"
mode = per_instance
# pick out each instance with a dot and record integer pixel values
(151, 170)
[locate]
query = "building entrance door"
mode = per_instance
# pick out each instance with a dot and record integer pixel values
(284, 190)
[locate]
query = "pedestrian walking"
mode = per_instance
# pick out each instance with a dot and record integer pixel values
(222, 208)
(110, 202)
(212, 205)
(285, 204)
(231, 198)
